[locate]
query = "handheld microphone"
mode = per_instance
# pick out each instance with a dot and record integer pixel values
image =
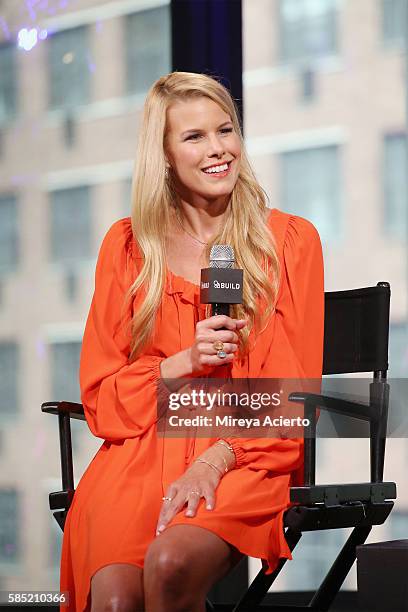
(221, 283)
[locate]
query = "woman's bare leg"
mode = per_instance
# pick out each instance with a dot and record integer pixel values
(181, 566)
(117, 588)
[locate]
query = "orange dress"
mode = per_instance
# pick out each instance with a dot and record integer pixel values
(114, 513)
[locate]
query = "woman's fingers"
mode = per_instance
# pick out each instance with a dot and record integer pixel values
(209, 499)
(193, 499)
(212, 336)
(169, 508)
(216, 342)
(223, 322)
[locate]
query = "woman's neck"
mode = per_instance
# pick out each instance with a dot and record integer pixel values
(201, 222)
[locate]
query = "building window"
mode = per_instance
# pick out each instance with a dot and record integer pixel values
(8, 82)
(55, 545)
(64, 366)
(148, 54)
(313, 558)
(397, 525)
(398, 350)
(70, 225)
(394, 21)
(127, 197)
(308, 29)
(311, 188)
(8, 233)
(396, 186)
(68, 61)
(9, 526)
(9, 368)
(64, 359)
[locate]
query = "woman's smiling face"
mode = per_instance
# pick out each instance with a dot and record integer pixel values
(203, 150)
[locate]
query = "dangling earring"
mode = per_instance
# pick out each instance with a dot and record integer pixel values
(166, 173)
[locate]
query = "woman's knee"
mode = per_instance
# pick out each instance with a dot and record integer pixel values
(117, 588)
(167, 564)
(186, 553)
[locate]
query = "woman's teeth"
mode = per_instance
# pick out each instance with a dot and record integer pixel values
(213, 169)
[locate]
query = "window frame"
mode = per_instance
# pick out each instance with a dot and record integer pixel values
(6, 564)
(52, 103)
(303, 58)
(11, 268)
(128, 89)
(66, 263)
(336, 237)
(13, 112)
(14, 413)
(393, 42)
(387, 230)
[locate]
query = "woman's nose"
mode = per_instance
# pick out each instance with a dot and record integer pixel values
(216, 146)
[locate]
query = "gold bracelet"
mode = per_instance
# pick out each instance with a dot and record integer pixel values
(225, 463)
(214, 467)
(226, 446)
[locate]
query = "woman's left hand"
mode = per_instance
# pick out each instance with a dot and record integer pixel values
(200, 480)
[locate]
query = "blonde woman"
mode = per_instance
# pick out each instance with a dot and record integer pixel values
(156, 521)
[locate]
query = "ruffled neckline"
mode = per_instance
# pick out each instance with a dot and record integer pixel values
(188, 291)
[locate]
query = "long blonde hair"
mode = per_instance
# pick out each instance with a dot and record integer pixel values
(153, 196)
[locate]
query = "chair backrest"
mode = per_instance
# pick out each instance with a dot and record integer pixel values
(356, 330)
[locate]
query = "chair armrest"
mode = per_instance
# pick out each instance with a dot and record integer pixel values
(74, 410)
(339, 404)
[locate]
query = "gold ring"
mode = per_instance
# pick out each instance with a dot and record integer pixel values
(165, 498)
(218, 346)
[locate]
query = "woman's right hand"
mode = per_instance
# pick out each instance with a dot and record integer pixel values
(202, 357)
(219, 328)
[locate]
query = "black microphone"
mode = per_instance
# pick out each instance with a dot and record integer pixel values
(221, 283)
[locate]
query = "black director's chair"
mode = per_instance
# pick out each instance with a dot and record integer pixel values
(355, 340)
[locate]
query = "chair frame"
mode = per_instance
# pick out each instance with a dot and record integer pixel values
(316, 507)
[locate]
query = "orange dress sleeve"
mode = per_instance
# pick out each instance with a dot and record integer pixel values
(296, 347)
(119, 397)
